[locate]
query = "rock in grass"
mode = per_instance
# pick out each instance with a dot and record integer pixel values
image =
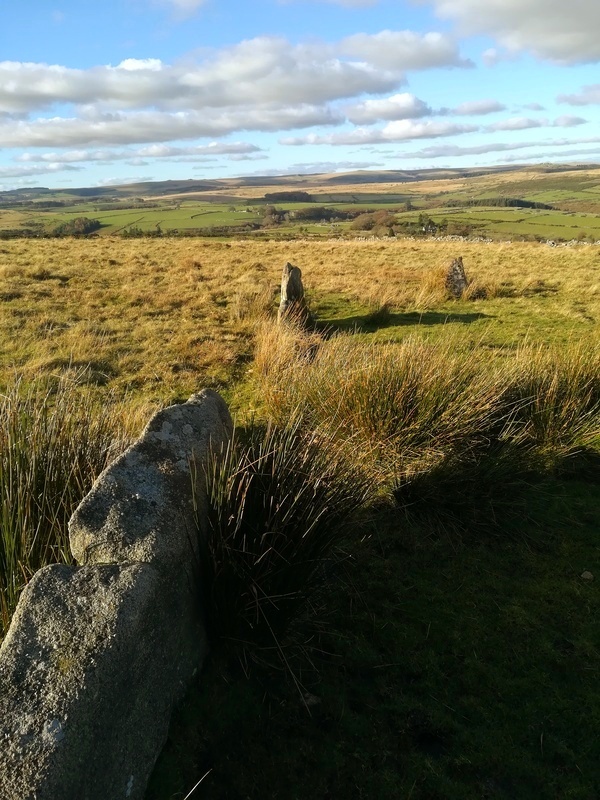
(98, 655)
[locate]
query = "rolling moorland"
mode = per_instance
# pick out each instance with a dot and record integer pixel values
(450, 647)
(559, 203)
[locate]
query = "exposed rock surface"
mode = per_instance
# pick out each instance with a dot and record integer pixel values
(456, 279)
(141, 507)
(293, 303)
(97, 655)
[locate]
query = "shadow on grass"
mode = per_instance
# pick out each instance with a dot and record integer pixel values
(366, 322)
(435, 667)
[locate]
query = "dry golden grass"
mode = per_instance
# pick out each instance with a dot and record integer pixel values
(165, 317)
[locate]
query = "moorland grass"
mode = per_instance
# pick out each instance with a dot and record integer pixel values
(279, 499)
(420, 406)
(161, 318)
(438, 404)
(434, 668)
(55, 439)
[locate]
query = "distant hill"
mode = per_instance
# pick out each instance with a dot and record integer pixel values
(191, 186)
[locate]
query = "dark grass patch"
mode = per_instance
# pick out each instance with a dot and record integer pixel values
(434, 670)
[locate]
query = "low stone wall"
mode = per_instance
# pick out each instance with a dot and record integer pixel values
(98, 654)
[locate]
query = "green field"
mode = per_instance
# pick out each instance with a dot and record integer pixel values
(574, 196)
(450, 648)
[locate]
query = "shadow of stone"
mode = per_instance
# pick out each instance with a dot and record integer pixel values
(364, 323)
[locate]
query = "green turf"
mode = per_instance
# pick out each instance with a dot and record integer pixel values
(572, 194)
(435, 668)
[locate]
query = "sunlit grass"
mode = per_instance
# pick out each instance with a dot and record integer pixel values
(55, 439)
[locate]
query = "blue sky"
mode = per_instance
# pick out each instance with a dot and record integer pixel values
(132, 90)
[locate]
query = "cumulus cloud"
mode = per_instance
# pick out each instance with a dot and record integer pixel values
(567, 121)
(399, 131)
(243, 157)
(516, 124)
(478, 108)
(404, 50)
(551, 29)
(150, 151)
(261, 84)
(319, 167)
(159, 126)
(398, 106)
(37, 169)
(490, 57)
(589, 95)
(557, 154)
(454, 150)
(522, 123)
(256, 71)
(124, 180)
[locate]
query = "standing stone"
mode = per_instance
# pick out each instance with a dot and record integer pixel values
(98, 655)
(456, 280)
(293, 304)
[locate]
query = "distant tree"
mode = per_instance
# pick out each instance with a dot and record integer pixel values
(374, 219)
(80, 226)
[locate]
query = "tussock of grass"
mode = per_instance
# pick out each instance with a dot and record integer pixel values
(278, 501)
(253, 303)
(55, 439)
(557, 393)
(435, 420)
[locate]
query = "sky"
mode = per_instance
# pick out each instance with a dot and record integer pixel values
(122, 91)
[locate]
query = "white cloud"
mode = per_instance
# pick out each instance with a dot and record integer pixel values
(319, 167)
(589, 95)
(398, 106)
(159, 126)
(38, 169)
(478, 108)
(550, 29)
(493, 56)
(399, 131)
(123, 180)
(263, 70)
(561, 155)
(260, 84)
(567, 121)
(490, 57)
(404, 50)
(517, 124)
(150, 151)
(135, 64)
(523, 123)
(453, 150)
(242, 157)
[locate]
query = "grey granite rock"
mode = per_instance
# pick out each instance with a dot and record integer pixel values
(97, 655)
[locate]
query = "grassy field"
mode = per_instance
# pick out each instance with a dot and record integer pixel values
(157, 318)
(432, 669)
(241, 203)
(452, 651)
